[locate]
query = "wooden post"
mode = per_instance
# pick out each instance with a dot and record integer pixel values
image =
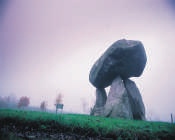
(171, 118)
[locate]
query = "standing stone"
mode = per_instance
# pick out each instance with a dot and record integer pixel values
(117, 104)
(100, 97)
(126, 58)
(100, 102)
(135, 98)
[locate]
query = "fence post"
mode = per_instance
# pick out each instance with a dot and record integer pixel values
(171, 118)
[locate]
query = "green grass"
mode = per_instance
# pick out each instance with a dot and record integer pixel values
(90, 125)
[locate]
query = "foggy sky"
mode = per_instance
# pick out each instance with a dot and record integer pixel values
(47, 47)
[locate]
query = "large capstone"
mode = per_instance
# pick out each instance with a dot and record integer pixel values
(135, 98)
(118, 104)
(126, 58)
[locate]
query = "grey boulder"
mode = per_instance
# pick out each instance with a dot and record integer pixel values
(135, 98)
(101, 98)
(126, 58)
(117, 104)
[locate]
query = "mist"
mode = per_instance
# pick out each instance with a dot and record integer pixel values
(48, 48)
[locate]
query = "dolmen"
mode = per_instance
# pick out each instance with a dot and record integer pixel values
(122, 60)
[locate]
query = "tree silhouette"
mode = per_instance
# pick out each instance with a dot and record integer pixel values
(59, 99)
(23, 102)
(8, 101)
(43, 105)
(58, 102)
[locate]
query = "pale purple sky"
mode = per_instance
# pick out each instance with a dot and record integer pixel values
(49, 46)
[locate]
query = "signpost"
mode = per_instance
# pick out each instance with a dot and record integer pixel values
(59, 106)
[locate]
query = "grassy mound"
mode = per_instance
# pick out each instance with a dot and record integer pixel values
(84, 125)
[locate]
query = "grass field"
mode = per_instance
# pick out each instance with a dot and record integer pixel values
(88, 126)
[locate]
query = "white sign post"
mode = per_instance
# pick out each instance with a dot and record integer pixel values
(59, 106)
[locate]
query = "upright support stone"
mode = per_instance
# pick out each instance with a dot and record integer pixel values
(100, 102)
(135, 98)
(100, 97)
(117, 104)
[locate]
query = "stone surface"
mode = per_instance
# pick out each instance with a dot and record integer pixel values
(126, 58)
(97, 111)
(100, 102)
(117, 104)
(100, 97)
(135, 98)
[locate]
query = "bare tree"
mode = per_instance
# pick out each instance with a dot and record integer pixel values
(24, 101)
(85, 105)
(59, 99)
(58, 102)
(43, 105)
(8, 101)
(3, 102)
